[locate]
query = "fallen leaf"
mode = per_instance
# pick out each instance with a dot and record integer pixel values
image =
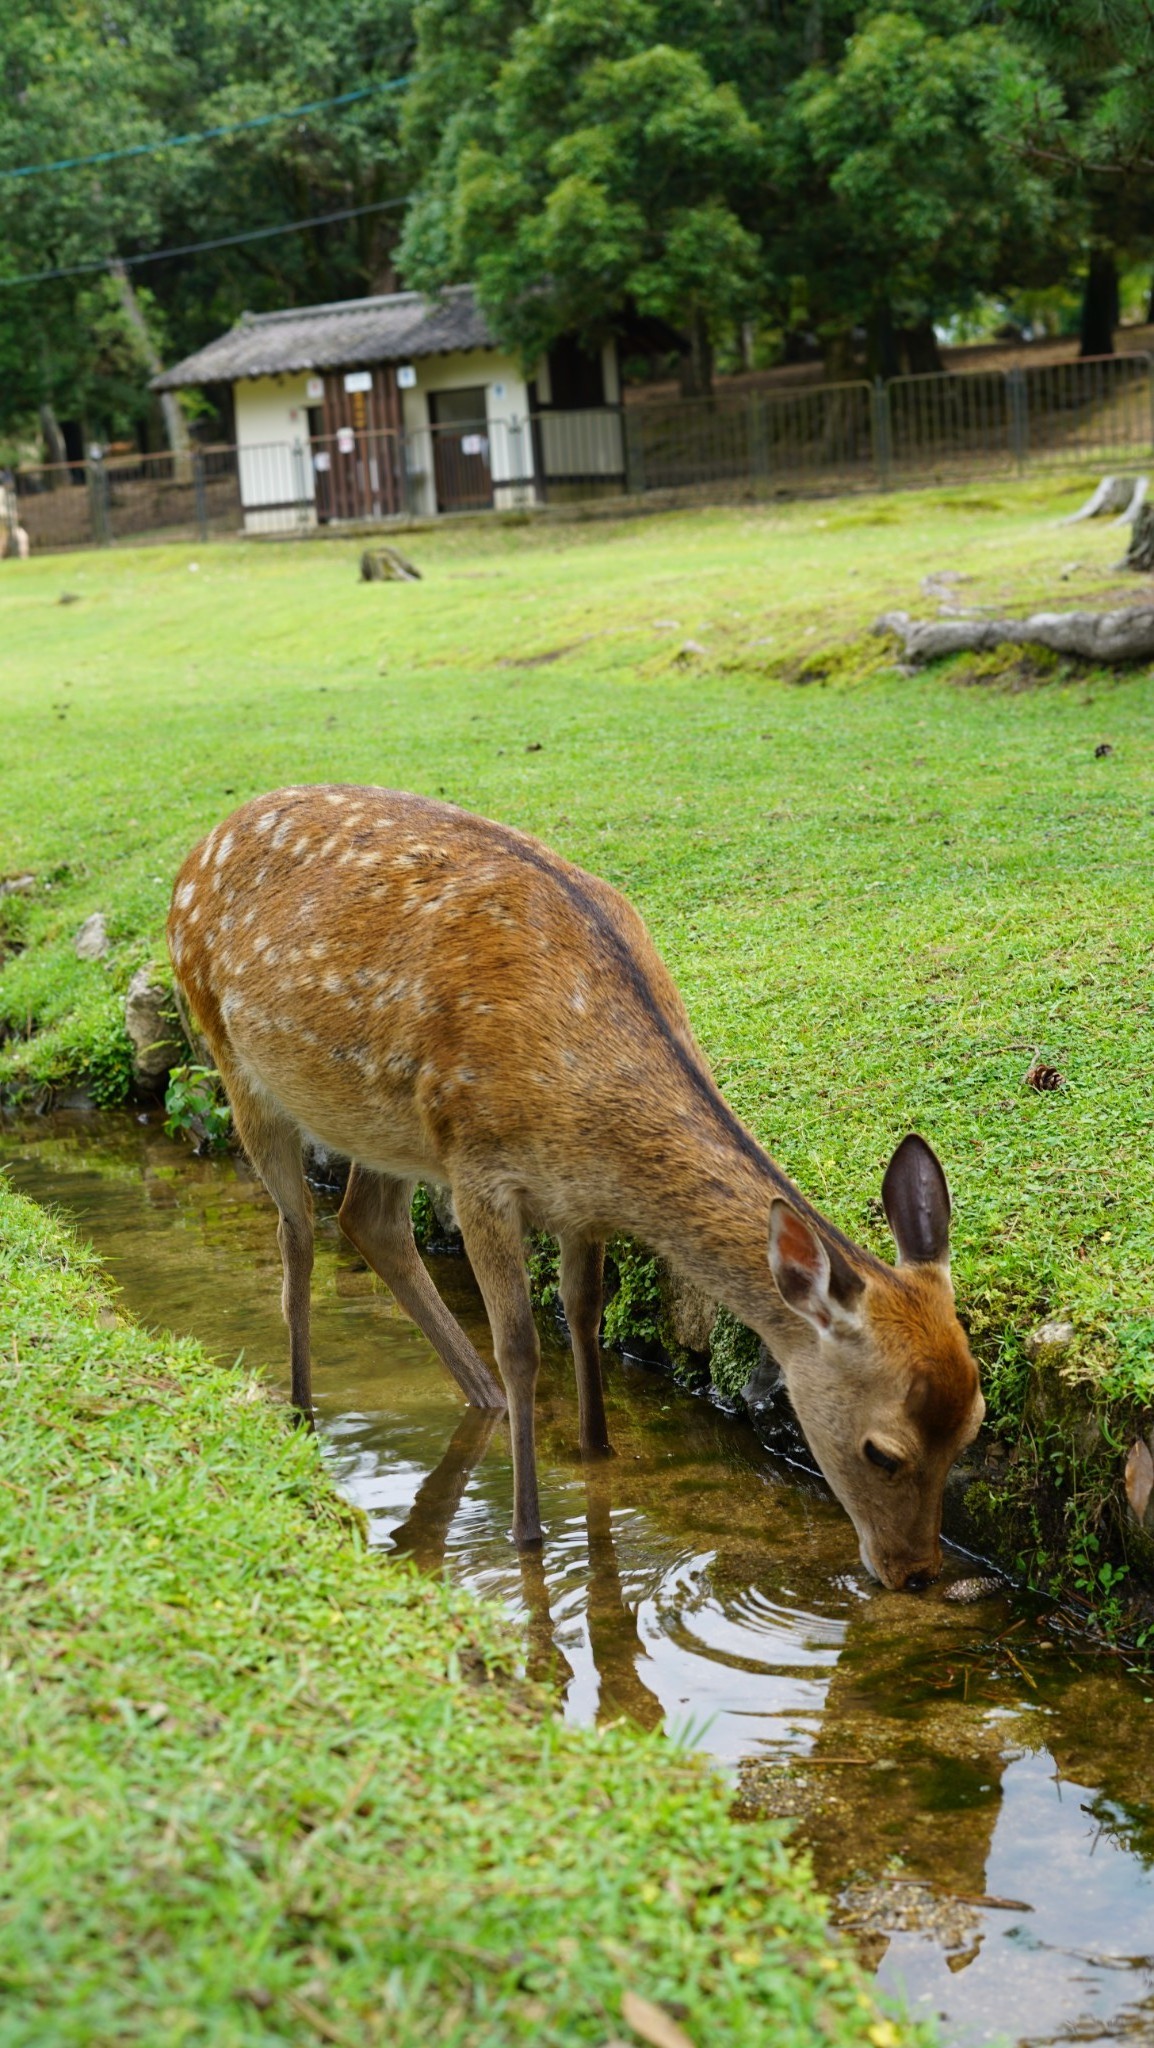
(653, 2023)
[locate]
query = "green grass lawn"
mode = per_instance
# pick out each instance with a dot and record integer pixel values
(881, 895)
(260, 1785)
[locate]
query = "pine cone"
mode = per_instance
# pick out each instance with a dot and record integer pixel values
(1042, 1076)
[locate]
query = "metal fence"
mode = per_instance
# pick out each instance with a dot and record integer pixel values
(749, 443)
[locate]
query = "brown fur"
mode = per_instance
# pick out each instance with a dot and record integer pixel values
(441, 997)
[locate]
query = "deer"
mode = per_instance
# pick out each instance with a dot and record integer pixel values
(439, 997)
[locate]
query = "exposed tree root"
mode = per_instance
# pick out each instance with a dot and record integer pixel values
(1107, 638)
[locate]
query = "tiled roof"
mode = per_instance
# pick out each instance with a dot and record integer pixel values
(393, 329)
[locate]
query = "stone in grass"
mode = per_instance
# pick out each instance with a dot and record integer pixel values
(91, 942)
(1046, 1344)
(150, 1021)
(387, 565)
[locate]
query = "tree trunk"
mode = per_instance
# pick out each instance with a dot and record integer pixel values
(697, 360)
(1100, 304)
(883, 356)
(841, 364)
(919, 347)
(175, 424)
(53, 438)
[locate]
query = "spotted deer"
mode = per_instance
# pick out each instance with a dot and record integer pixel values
(440, 997)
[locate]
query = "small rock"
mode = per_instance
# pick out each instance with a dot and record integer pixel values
(689, 648)
(150, 1021)
(534, 747)
(91, 942)
(17, 885)
(1101, 751)
(1049, 1341)
(689, 1311)
(69, 597)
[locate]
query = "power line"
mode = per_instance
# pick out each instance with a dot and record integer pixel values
(112, 156)
(287, 227)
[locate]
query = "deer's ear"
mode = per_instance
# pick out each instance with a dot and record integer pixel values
(822, 1289)
(916, 1200)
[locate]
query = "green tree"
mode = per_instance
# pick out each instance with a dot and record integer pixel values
(603, 182)
(1092, 134)
(898, 201)
(82, 76)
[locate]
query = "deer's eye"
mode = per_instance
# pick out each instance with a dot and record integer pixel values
(881, 1459)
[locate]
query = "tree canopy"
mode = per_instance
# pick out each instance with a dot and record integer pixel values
(674, 172)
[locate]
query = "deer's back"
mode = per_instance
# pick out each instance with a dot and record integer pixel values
(406, 979)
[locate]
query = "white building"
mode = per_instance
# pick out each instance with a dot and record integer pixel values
(373, 408)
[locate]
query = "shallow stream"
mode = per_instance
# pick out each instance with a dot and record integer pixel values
(976, 1782)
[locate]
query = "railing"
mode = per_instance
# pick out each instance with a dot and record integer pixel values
(832, 436)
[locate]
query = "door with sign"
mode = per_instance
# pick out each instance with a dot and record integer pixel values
(461, 464)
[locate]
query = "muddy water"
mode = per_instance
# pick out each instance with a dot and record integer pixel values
(976, 1784)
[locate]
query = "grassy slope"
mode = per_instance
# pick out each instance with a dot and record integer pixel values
(259, 1785)
(880, 895)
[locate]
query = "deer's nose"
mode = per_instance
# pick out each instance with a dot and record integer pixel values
(919, 1576)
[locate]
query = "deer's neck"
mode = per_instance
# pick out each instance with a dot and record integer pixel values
(707, 1211)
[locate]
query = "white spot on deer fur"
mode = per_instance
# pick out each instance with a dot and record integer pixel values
(301, 845)
(207, 850)
(249, 916)
(281, 833)
(368, 860)
(194, 914)
(334, 796)
(261, 942)
(267, 820)
(185, 894)
(319, 949)
(177, 946)
(225, 848)
(334, 984)
(272, 955)
(578, 1003)
(334, 839)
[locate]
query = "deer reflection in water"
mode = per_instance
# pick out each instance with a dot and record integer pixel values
(613, 1639)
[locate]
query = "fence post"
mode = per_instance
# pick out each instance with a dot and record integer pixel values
(758, 436)
(631, 417)
(300, 487)
(200, 497)
(98, 504)
(880, 421)
(1019, 411)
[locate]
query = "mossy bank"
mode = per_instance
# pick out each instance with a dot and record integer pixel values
(884, 897)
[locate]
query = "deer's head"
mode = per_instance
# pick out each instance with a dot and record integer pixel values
(881, 1377)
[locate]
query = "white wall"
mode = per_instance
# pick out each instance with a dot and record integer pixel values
(271, 419)
(506, 416)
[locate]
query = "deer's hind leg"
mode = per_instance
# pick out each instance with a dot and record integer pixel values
(582, 1295)
(495, 1243)
(375, 1217)
(272, 1142)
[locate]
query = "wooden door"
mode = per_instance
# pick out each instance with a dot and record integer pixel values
(461, 467)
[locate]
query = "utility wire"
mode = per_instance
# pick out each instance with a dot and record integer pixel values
(287, 227)
(112, 156)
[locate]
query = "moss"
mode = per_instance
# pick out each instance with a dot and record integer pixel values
(633, 1315)
(734, 1351)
